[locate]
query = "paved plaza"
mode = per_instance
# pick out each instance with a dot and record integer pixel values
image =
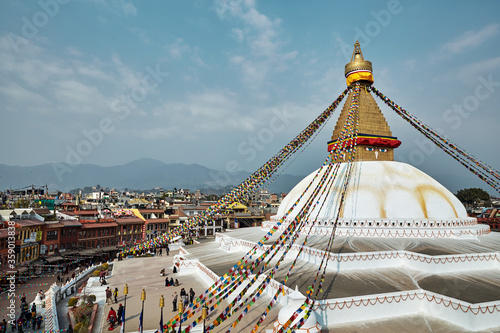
(144, 273)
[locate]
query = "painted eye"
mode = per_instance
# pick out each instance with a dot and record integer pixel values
(369, 148)
(383, 150)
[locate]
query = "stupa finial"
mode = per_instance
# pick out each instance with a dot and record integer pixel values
(356, 53)
(358, 69)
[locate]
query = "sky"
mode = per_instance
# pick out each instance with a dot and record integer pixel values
(228, 83)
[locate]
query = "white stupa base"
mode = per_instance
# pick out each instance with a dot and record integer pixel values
(453, 228)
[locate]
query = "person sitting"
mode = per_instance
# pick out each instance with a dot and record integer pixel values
(171, 282)
(167, 283)
(176, 283)
(162, 272)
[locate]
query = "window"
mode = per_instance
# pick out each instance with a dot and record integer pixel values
(52, 235)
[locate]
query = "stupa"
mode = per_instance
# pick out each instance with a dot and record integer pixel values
(405, 256)
(384, 198)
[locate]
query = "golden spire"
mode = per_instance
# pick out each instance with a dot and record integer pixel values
(358, 69)
(374, 139)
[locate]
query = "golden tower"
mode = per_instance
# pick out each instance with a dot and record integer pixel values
(375, 141)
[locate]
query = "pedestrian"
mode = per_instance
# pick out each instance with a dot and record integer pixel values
(115, 294)
(58, 278)
(38, 322)
(174, 302)
(23, 298)
(120, 313)
(191, 295)
(160, 252)
(70, 329)
(33, 323)
(4, 325)
(168, 250)
(108, 295)
(20, 324)
(183, 295)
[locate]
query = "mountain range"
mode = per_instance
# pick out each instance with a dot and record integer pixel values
(141, 174)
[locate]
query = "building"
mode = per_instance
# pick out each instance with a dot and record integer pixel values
(129, 230)
(28, 240)
(98, 234)
(157, 222)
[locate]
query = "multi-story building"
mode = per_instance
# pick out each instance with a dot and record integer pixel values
(59, 236)
(130, 230)
(4, 248)
(157, 222)
(97, 234)
(69, 235)
(28, 240)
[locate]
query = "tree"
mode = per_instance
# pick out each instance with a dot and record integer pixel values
(473, 196)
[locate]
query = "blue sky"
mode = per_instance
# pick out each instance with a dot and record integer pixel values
(226, 84)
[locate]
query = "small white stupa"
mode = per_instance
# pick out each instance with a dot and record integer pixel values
(296, 299)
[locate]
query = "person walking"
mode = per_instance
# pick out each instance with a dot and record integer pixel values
(115, 294)
(191, 295)
(108, 295)
(174, 302)
(168, 250)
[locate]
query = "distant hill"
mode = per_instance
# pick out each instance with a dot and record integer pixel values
(139, 174)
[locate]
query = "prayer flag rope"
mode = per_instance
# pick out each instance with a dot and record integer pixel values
(471, 163)
(259, 177)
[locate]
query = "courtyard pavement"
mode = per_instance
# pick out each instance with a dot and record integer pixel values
(144, 273)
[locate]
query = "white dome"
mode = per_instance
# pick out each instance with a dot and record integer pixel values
(378, 189)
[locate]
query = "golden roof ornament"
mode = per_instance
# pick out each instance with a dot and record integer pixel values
(358, 69)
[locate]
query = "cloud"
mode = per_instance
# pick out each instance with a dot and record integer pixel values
(465, 42)
(262, 37)
(62, 83)
(470, 72)
(23, 95)
(177, 49)
(197, 115)
(124, 7)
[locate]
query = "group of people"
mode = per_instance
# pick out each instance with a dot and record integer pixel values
(115, 318)
(27, 318)
(171, 282)
(102, 277)
(185, 298)
(159, 251)
(68, 278)
(142, 251)
(110, 294)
